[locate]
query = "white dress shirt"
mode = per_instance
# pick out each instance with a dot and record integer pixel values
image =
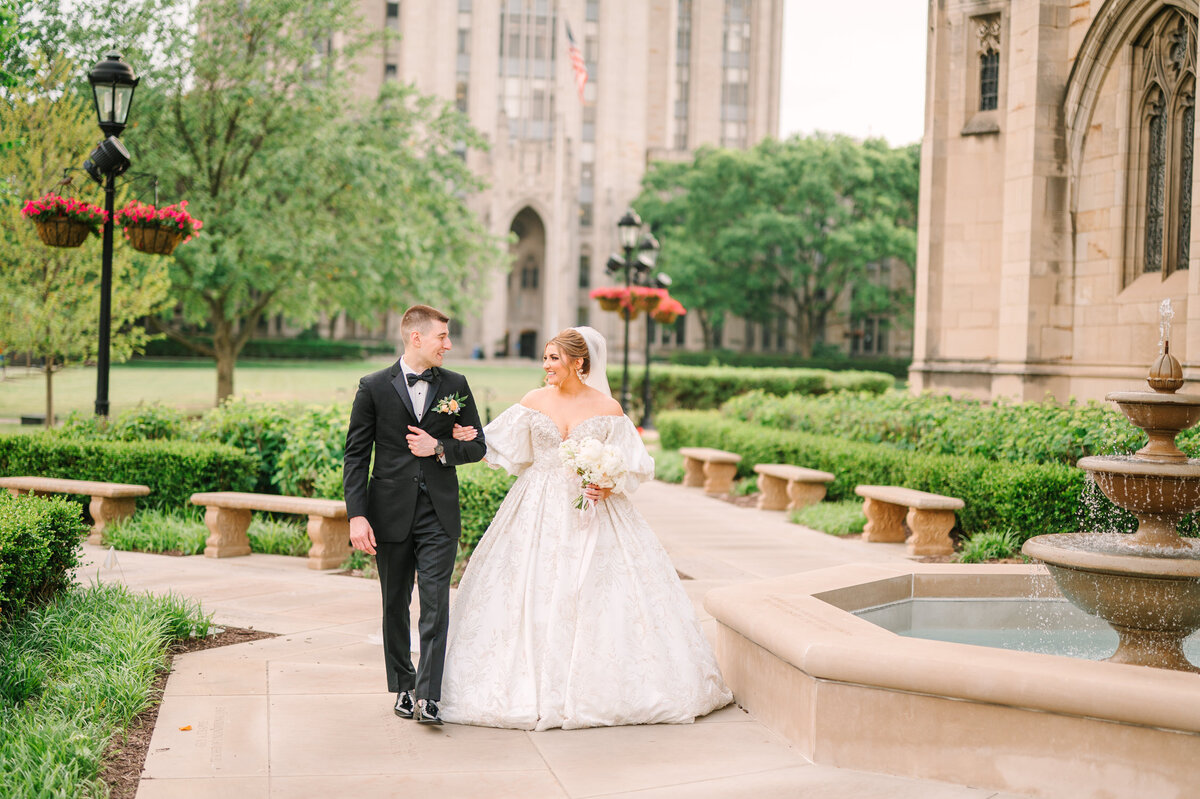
(418, 391)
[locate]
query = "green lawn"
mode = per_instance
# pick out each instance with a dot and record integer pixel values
(192, 384)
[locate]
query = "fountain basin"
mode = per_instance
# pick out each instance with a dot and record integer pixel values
(851, 694)
(1159, 494)
(1153, 602)
(1162, 416)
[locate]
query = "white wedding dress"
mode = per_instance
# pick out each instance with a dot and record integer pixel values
(561, 623)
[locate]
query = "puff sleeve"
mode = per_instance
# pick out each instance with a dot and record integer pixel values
(626, 438)
(509, 441)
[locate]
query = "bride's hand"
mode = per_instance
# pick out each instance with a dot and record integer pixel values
(464, 433)
(595, 493)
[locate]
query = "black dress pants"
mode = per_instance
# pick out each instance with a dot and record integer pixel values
(429, 552)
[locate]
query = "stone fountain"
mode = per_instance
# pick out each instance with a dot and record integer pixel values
(1145, 585)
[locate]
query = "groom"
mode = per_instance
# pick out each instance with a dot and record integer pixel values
(407, 514)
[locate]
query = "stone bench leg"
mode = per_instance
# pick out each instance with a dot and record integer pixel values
(693, 474)
(330, 542)
(226, 532)
(930, 532)
(718, 477)
(105, 511)
(773, 492)
(801, 494)
(885, 521)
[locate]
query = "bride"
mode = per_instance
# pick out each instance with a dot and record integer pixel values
(565, 619)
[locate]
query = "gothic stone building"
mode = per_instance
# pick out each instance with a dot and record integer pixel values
(665, 77)
(1056, 196)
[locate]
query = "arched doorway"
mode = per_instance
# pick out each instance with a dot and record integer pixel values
(526, 285)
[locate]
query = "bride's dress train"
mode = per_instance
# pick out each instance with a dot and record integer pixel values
(558, 623)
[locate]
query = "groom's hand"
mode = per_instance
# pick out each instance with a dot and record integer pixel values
(361, 535)
(420, 443)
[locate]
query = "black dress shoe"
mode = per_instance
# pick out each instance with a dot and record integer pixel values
(405, 704)
(428, 713)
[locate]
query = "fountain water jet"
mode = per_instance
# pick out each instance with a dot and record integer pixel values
(1146, 586)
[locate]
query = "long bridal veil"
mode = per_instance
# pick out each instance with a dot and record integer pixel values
(597, 376)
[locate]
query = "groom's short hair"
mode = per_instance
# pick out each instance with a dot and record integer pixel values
(419, 317)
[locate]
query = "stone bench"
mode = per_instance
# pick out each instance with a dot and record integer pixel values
(227, 516)
(713, 469)
(110, 503)
(786, 487)
(930, 517)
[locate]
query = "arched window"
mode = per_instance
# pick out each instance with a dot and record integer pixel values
(1161, 145)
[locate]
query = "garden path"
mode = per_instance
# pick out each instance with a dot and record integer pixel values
(305, 714)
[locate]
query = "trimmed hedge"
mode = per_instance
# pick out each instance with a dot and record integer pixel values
(1031, 432)
(705, 387)
(174, 470)
(1029, 498)
(897, 367)
(39, 546)
(295, 348)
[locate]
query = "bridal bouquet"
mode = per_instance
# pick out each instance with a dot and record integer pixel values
(594, 462)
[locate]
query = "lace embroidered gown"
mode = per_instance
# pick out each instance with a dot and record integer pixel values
(555, 625)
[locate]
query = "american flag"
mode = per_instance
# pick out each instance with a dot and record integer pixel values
(577, 64)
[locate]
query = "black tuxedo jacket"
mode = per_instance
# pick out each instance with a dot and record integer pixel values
(380, 418)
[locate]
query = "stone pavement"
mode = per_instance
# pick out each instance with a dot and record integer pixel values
(307, 714)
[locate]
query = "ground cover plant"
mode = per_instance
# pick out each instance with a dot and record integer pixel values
(183, 532)
(72, 673)
(844, 517)
(990, 545)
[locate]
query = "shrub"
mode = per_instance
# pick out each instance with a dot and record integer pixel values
(1031, 498)
(314, 443)
(147, 422)
(293, 348)
(897, 367)
(178, 530)
(668, 466)
(174, 470)
(328, 484)
(836, 518)
(1029, 432)
(990, 545)
(699, 387)
(260, 429)
(39, 546)
(481, 489)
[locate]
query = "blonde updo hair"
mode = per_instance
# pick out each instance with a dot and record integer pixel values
(572, 345)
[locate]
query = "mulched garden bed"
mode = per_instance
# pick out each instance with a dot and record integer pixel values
(126, 753)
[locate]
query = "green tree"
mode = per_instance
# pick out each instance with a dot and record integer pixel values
(51, 305)
(785, 229)
(312, 201)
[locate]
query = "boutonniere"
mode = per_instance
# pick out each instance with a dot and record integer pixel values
(451, 405)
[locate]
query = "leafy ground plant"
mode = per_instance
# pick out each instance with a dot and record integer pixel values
(668, 466)
(990, 545)
(74, 672)
(278, 536)
(836, 518)
(176, 532)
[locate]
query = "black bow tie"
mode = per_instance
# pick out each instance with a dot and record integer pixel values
(427, 376)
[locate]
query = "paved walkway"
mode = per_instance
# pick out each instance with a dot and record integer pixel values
(306, 714)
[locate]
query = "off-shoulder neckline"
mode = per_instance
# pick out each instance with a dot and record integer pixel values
(577, 424)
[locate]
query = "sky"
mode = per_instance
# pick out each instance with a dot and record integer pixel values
(862, 74)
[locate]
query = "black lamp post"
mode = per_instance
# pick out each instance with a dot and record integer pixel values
(112, 83)
(637, 269)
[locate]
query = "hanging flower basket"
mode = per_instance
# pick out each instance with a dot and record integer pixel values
(63, 221)
(647, 299)
(610, 298)
(157, 231)
(668, 311)
(62, 231)
(153, 240)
